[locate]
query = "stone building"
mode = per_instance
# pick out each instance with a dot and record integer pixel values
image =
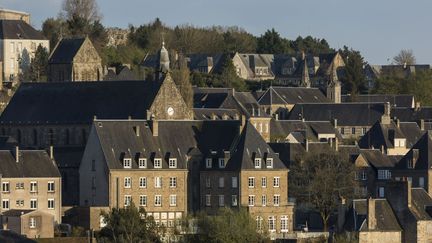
(14, 15)
(74, 59)
(18, 44)
(31, 192)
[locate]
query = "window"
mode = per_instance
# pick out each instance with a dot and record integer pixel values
(143, 182)
(221, 182)
(276, 181)
(384, 174)
(363, 175)
(5, 203)
(20, 203)
(263, 200)
(271, 223)
(410, 164)
(127, 182)
(221, 163)
(127, 163)
(158, 182)
(221, 200)
(234, 182)
(251, 182)
(32, 222)
(264, 182)
(33, 203)
(142, 163)
(127, 200)
(51, 186)
(172, 163)
(208, 200)
(364, 130)
(51, 203)
(269, 163)
(353, 130)
(208, 163)
(158, 201)
(342, 130)
(276, 200)
(257, 163)
(421, 182)
(208, 182)
(259, 222)
(234, 200)
(381, 192)
(284, 223)
(33, 186)
(173, 200)
(251, 200)
(143, 200)
(19, 185)
(157, 163)
(173, 182)
(5, 187)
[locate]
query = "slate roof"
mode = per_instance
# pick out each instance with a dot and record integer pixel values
(291, 95)
(412, 114)
(347, 114)
(385, 218)
(250, 146)
(18, 30)
(420, 154)
(280, 129)
(32, 163)
(288, 152)
(420, 202)
(376, 158)
(68, 157)
(394, 100)
(79, 102)
(176, 139)
(196, 61)
(16, 212)
(124, 73)
(66, 50)
(216, 114)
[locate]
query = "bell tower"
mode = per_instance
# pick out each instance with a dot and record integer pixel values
(334, 87)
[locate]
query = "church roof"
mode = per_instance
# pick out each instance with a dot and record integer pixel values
(66, 50)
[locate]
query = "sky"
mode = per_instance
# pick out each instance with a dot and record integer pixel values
(379, 29)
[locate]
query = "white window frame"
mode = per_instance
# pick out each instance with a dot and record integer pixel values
(234, 182)
(51, 186)
(234, 200)
(127, 163)
(276, 200)
(33, 203)
(33, 186)
(284, 223)
(5, 204)
(259, 222)
(251, 182)
(251, 200)
(143, 201)
(32, 223)
(172, 163)
(264, 182)
(127, 182)
(127, 200)
(51, 203)
(157, 163)
(158, 182)
(276, 181)
(173, 182)
(272, 223)
(257, 163)
(221, 163)
(173, 200)
(143, 182)
(5, 186)
(264, 200)
(142, 163)
(158, 201)
(269, 163)
(209, 162)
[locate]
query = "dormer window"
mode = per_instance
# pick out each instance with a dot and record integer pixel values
(208, 162)
(399, 142)
(127, 163)
(410, 164)
(172, 163)
(221, 163)
(157, 163)
(142, 163)
(269, 163)
(257, 163)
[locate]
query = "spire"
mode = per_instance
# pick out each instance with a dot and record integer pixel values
(334, 87)
(305, 81)
(334, 80)
(163, 61)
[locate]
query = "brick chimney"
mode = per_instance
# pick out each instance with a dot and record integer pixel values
(371, 219)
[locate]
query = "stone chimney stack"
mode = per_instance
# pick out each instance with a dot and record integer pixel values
(409, 186)
(422, 125)
(372, 221)
(385, 118)
(155, 128)
(51, 152)
(17, 152)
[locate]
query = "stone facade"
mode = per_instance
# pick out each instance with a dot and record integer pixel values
(34, 224)
(14, 15)
(380, 237)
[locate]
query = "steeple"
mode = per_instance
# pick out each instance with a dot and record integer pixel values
(334, 87)
(305, 81)
(163, 61)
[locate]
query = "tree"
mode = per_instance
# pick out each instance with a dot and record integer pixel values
(228, 226)
(228, 76)
(181, 77)
(405, 57)
(54, 29)
(87, 10)
(128, 225)
(354, 79)
(321, 179)
(39, 65)
(272, 42)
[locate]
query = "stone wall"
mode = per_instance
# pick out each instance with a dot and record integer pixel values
(380, 237)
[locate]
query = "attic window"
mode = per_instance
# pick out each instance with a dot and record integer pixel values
(157, 163)
(221, 163)
(142, 163)
(127, 163)
(257, 163)
(99, 124)
(269, 163)
(172, 163)
(410, 164)
(208, 163)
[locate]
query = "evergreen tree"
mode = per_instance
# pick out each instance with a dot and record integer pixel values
(181, 77)
(38, 66)
(354, 79)
(228, 76)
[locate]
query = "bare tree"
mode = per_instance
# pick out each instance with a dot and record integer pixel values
(85, 9)
(405, 57)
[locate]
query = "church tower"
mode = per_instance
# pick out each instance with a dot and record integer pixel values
(305, 80)
(334, 87)
(163, 62)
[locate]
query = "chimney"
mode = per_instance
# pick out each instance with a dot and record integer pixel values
(307, 145)
(335, 123)
(336, 144)
(382, 149)
(422, 125)
(51, 152)
(385, 118)
(94, 118)
(259, 111)
(137, 130)
(372, 222)
(397, 122)
(155, 128)
(409, 186)
(276, 116)
(417, 106)
(17, 154)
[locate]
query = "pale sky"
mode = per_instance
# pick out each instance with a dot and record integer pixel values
(378, 28)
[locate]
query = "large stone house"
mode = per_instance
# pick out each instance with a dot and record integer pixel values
(74, 59)
(18, 44)
(31, 192)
